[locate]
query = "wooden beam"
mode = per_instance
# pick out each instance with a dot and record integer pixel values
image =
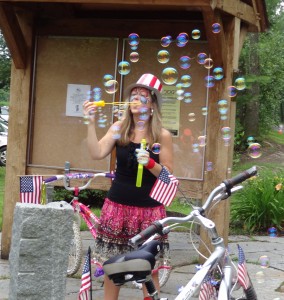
(240, 10)
(236, 45)
(257, 15)
(187, 3)
(13, 35)
(118, 28)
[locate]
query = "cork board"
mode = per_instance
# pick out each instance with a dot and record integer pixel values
(62, 61)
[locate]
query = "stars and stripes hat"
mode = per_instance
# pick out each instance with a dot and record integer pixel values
(150, 82)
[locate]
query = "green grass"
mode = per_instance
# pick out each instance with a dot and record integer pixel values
(276, 137)
(179, 207)
(2, 183)
(83, 225)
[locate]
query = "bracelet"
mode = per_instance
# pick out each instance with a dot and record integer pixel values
(150, 164)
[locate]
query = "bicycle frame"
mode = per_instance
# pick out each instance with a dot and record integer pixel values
(87, 215)
(218, 257)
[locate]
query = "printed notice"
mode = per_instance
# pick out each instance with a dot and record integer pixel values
(76, 95)
(170, 110)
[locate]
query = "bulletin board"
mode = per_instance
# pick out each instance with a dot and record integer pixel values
(67, 67)
(74, 65)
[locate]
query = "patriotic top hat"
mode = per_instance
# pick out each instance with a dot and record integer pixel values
(150, 82)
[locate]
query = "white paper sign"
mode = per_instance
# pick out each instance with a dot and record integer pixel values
(76, 95)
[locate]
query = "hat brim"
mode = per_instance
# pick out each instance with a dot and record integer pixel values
(157, 93)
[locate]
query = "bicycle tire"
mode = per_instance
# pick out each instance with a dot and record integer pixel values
(75, 251)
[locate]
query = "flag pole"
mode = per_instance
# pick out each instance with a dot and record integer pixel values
(90, 268)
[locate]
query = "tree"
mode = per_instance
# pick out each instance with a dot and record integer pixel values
(5, 70)
(262, 64)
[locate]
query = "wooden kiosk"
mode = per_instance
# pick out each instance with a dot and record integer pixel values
(63, 49)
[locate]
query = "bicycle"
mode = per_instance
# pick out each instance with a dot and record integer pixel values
(218, 272)
(92, 221)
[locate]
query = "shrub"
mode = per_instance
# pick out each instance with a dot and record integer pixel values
(260, 204)
(91, 197)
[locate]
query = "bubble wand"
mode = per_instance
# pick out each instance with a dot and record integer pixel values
(102, 103)
(140, 166)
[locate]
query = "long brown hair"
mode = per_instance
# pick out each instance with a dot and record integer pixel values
(155, 125)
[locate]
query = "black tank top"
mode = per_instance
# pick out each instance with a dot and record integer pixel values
(123, 189)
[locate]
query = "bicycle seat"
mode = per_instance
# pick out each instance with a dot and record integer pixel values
(132, 266)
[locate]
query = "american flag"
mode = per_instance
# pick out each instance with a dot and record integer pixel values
(207, 290)
(85, 292)
(165, 188)
(243, 277)
(30, 189)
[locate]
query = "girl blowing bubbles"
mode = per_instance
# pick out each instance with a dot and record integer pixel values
(128, 209)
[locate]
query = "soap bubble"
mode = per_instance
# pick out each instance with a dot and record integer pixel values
(208, 63)
(195, 34)
(272, 232)
(184, 62)
(209, 166)
(156, 148)
(254, 150)
(216, 28)
(264, 261)
(133, 39)
(166, 40)
(170, 76)
(163, 56)
(140, 125)
(202, 140)
(186, 81)
(218, 73)
(226, 135)
(201, 58)
(182, 39)
(106, 78)
(232, 91)
(111, 86)
(191, 117)
(124, 67)
(134, 56)
(240, 84)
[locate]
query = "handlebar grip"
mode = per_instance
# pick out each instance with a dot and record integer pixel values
(156, 227)
(110, 175)
(50, 179)
(240, 177)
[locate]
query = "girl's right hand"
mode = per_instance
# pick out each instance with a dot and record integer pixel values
(89, 111)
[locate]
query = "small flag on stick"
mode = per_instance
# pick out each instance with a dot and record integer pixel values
(85, 292)
(243, 277)
(165, 188)
(30, 189)
(207, 290)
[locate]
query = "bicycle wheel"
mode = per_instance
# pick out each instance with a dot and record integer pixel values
(75, 252)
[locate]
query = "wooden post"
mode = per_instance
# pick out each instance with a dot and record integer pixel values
(216, 152)
(17, 138)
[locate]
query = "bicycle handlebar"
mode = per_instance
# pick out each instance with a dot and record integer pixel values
(156, 227)
(225, 187)
(240, 177)
(89, 176)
